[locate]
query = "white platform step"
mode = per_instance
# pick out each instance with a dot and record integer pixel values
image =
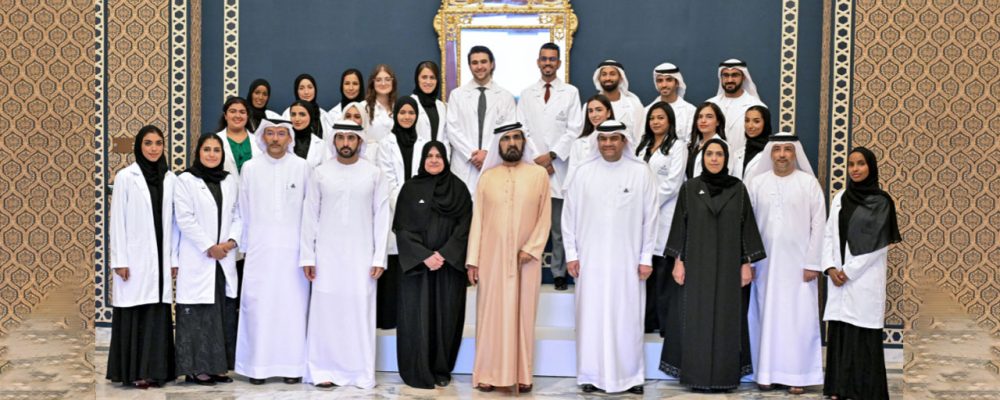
(555, 339)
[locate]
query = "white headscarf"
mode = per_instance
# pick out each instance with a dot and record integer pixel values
(748, 84)
(268, 123)
(622, 85)
(493, 157)
(765, 165)
(364, 116)
(349, 127)
(606, 128)
(671, 70)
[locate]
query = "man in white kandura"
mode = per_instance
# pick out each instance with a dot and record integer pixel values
(610, 80)
(783, 319)
(736, 94)
(609, 226)
(345, 230)
(671, 87)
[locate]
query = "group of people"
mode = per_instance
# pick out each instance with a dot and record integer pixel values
(293, 237)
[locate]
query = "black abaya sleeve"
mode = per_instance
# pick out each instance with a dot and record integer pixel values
(753, 246)
(454, 249)
(412, 251)
(678, 228)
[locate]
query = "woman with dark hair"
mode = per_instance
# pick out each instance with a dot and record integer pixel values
(756, 128)
(597, 109)
(207, 307)
(709, 123)
(141, 354)
(398, 162)
(305, 89)
(258, 94)
(352, 90)
(431, 222)
(861, 226)
(666, 157)
(237, 139)
(431, 111)
(308, 135)
(713, 238)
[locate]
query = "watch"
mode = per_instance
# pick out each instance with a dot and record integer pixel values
(552, 155)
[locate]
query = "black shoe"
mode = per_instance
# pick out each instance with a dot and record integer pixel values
(255, 381)
(443, 381)
(637, 389)
(292, 381)
(588, 388)
(203, 382)
(560, 282)
(222, 378)
(326, 385)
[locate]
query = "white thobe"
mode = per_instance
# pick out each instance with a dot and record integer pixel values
(683, 115)
(860, 301)
(784, 311)
(552, 125)
(735, 108)
(275, 298)
(345, 225)
(609, 226)
(669, 172)
(578, 152)
(463, 125)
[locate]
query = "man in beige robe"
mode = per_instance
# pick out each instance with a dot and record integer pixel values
(510, 224)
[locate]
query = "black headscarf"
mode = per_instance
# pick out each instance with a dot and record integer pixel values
(344, 100)
(209, 175)
(717, 182)
(867, 217)
(154, 173)
(303, 138)
(405, 137)
(298, 80)
(257, 114)
(756, 144)
(447, 194)
(649, 138)
(428, 101)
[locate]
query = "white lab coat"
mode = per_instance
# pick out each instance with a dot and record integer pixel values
(424, 123)
(463, 125)
(861, 301)
(735, 110)
(133, 240)
(318, 151)
(669, 173)
(196, 215)
(390, 161)
(552, 126)
(229, 163)
(736, 165)
(377, 128)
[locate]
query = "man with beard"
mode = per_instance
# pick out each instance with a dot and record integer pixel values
(511, 218)
(736, 94)
(275, 297)
(552, 118)
(345, 230)
(474, 110)
(610, 80)
(670, 85)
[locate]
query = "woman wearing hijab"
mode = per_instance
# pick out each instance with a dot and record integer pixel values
(861, 226)
(259, 94)
(709, 123)
(308, 136)
(666, 157)
(431, 222)
(757, 129)
(352, 90)
(209, 224)
(431, 123)
(713, 236)
(238, 141)
(306, 90)
(142, 227)
(396, 160)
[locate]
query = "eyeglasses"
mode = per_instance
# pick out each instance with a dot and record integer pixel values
(544, 59)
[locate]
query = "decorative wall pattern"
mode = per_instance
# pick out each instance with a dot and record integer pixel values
(231, 50)
(45, 155)
(926, 85)
(789, 57)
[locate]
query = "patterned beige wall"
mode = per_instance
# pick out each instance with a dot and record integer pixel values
(46, 155)
(925, 86)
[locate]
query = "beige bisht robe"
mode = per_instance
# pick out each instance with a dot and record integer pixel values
(512, 212)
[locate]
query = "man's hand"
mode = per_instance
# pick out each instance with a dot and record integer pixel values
(310, 271)
(550, 169)
(809, 276)
(544, 160)
(218, 251)
(679, 272)
(645, 271)
(834, 276)
(473, 274)
(173, 272)
(122, 273)
(477, 158)
(377, 272)
(573, 267)
(523, 258)
(746, 274)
